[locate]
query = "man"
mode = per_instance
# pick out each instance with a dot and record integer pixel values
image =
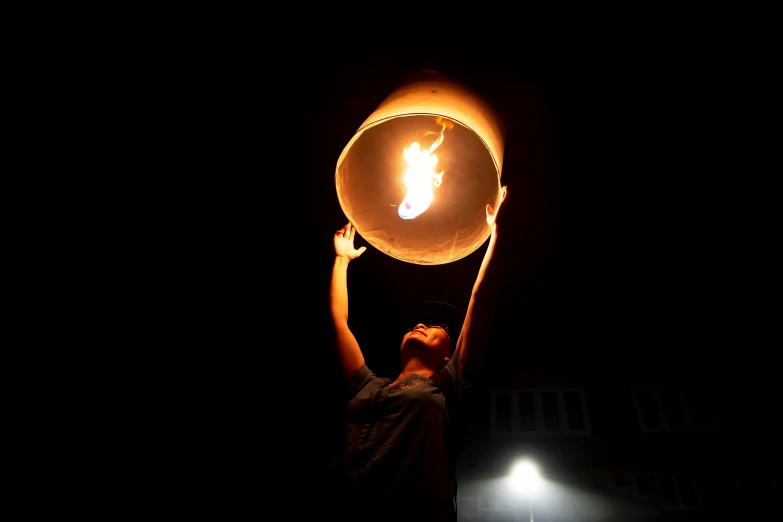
(403, 435)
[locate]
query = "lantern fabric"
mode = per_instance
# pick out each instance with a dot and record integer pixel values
(370, 172)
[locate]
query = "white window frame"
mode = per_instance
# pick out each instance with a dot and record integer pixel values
(690, 425)
(540, 429)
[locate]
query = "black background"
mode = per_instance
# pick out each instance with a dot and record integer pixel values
(627, 173)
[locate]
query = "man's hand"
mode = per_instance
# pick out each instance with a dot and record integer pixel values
(343, 243)
(492, 215)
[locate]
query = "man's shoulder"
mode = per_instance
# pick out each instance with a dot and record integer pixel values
(364, 381)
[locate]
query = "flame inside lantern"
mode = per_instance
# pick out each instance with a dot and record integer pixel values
(420, 177)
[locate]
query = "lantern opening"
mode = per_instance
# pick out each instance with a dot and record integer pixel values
(403, 198)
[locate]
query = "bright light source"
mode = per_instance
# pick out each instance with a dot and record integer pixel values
(525, 476)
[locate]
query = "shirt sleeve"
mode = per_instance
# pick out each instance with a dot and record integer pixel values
(451, 381)
(360, 379)
(455, 374)
(459, 395)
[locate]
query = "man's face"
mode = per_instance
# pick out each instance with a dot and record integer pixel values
(434, 338)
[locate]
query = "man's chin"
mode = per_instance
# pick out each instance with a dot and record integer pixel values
(411, 343)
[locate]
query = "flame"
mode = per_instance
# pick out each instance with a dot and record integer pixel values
(420, 177)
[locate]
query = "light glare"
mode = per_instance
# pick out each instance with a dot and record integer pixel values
(525, 476)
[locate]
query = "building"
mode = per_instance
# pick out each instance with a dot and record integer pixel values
(634, 447)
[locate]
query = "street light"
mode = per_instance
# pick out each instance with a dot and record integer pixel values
(525, 478)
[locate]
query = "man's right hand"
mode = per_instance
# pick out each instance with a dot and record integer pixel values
(343, 243)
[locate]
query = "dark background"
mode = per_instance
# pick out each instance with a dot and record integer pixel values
(628, 202)
(624, 172)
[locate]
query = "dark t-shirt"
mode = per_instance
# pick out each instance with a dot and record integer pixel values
(401, 446)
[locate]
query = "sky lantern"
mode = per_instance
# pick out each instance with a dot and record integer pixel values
(417, 175)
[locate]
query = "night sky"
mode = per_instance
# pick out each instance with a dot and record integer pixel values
(626, 195)
(615, 169)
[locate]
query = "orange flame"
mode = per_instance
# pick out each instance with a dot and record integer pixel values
(420, 177)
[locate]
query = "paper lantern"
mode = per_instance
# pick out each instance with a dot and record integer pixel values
(417, 175)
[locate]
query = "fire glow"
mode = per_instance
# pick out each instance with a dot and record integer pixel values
(420, 177)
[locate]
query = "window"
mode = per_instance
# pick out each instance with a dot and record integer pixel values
(504, 415)
(561, 412)
(676, 491)
(673, 409)
(526, 408)
(574, 413)
(622, 480)
(646, 486)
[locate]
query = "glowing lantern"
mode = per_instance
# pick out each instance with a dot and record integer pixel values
(416, 177)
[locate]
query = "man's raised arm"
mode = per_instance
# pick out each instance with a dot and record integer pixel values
(350, 354)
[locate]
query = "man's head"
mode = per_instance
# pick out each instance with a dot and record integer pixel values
(430, 343)
(430, 330)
